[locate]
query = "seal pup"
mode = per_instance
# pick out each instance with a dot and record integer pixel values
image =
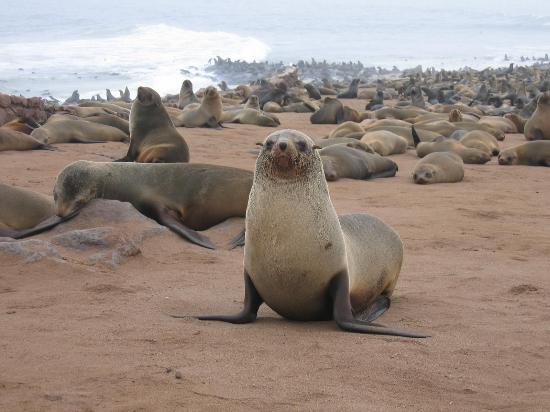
(347, 129)
(208, 114)
(341, 161)
(517, 120)
(446, 144)
(250, 116)
(439, 167)
(535, 153)
(24, 213)
(184, 197)
(153, 137)
(478, 139)
(301, 258)
(538, 125)
(186, 96)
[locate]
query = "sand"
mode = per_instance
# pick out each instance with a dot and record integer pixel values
(84, 334)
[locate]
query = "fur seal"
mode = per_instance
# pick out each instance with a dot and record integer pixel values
(478, 139)
(341, 161)
(538, 125)
(323, 265)
(348, 129)
(518, 121)
(24, 212)
(385, 143)
(114, 107)
(439, 167)
(334, 112)
(184, 197)
(13, 140)
(443, 144)
(153, 137)
(111, 120)
(70, 129)
(312, 91)
(22, 124)
(351, 93)
(250, 116)
(348, 141)
(187, 96)
(536, 153)
(208, 114)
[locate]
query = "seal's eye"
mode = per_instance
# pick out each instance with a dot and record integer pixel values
(269, 144)
(302, 146)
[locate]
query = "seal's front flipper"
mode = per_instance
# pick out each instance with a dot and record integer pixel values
(386, 173)
(237, 240)
(79, 140)
(252, 302)
(51, 148)
(191, 235)
(342, 313)
(538, 134)
(213, 123)
(41, 227)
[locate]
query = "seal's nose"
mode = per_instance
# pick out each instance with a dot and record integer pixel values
(282, 146)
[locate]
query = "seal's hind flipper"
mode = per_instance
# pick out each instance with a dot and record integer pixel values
(416, 138)
(342, 312)
(237, 240)
(386, 173)
(79, 140)
(376, 309)
(191, 235)
(51, 148)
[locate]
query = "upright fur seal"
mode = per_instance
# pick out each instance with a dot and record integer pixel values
(351, 93)
(208, 114)
(538, 125)
(187, 96)
(439, 167)
(153, 137)
(301, 258)
(184, 197)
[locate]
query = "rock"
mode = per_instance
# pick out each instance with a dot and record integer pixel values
(87, 238)
(32, 250)
(5, 100)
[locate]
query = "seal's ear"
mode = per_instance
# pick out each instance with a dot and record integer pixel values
(316, 147)
(259, 144)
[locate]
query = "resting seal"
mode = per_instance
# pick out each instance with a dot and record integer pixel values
(535, 153)
(301, 258)
(153, 137)
(341, 161)
(184, 197)
(439, 167)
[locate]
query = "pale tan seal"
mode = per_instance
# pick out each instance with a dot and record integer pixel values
(13, 140)
(24, 212)
(153, 137)
(536, 153)
(538, 125)
(478, 139)
(184, 197)
(301, 258)
(385, 143)
(70, 129)
(439, 167)
(208, 114)
(341, 161)
(348, 129)
(442, 144)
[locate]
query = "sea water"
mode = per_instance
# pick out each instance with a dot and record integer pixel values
(54, 47)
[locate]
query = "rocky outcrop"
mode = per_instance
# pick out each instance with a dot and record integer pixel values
(19, 106)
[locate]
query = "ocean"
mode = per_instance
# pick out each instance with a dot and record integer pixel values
(55, 47)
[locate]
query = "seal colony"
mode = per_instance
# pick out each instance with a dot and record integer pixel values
(300, 257)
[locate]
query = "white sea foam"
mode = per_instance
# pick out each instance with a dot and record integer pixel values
(151, 55)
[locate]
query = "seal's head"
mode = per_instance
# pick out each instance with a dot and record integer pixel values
(288, 155)
(187, 85)
(211, 93)
(74, 188)
(424, 175)
(508, 157)
(148, 97)
(455, 115)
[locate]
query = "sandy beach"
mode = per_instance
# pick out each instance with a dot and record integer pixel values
(81, 332)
